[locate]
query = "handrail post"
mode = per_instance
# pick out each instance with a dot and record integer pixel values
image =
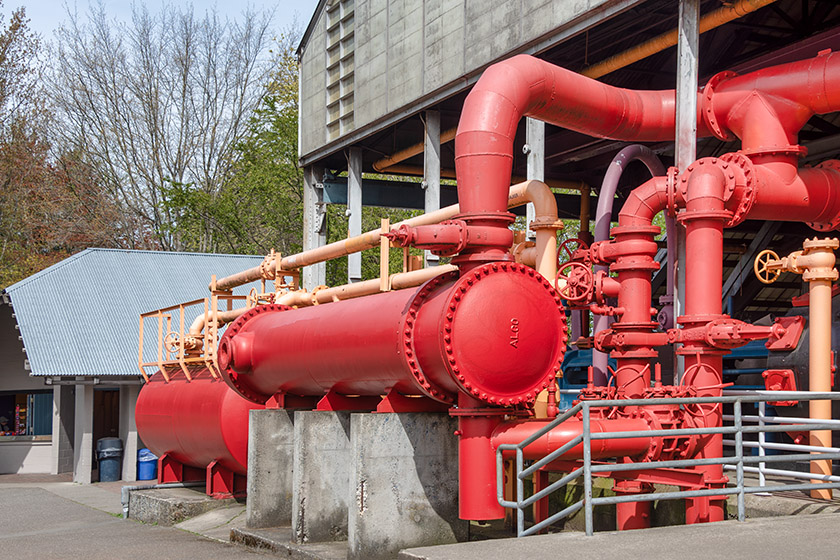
(762, 439)
(520, 493)
(739, 455)
(587, 470)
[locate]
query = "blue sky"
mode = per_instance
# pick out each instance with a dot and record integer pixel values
(46, 15)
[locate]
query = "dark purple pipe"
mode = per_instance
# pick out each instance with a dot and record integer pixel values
(603, 214)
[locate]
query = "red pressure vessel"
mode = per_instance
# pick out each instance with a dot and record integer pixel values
(196, 422)
(497, 332)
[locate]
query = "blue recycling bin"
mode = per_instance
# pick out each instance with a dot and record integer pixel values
(146, 465)
(109, 454)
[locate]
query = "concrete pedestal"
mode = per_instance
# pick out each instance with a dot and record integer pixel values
(83, 435)
(321, 491)
(271, 437)
(128, 431)
(404, 483)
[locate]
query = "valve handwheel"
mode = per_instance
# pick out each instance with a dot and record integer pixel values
(565, 249)
(172, 342)
(578, 279)
(252, 299)
(763, 271)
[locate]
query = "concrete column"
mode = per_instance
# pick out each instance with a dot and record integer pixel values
(535, 139)
(431, 171)
(404, 483)
(83, 434)
(354, 210)
(314, 224)
(688, 41)
(128, 431)
(321, 477)
(62, 429)
(271, 446)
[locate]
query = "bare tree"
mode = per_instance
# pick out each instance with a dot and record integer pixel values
(158, 103)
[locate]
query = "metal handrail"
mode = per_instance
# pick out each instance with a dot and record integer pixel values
(737, 462)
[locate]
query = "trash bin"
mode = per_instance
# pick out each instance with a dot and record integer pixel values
(146, 465)
(109, 454)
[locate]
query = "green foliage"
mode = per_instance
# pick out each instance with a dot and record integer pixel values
(260, 206)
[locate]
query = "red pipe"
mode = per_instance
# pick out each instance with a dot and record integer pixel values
(481, 434)
(196, 422)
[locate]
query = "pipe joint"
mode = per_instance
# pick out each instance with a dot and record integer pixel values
(716, 188)
(450, 237)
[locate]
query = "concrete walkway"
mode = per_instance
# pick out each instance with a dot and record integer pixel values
(49, 517)
(52, 518)
(803, 536)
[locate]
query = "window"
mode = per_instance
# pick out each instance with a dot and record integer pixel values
(26, 414)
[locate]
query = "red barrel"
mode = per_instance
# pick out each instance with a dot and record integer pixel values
(196, 422)
(497, 333)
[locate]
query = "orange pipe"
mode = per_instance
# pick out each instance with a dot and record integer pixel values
(669, 39)
(417, 171)
(519, 194)
(819, 375)
(411, 151)
(368, 287)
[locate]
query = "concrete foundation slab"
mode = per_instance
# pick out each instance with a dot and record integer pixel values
(278, 541)
(215, 524)
(271, 443)
(169, 506)
(321, 474)
(405, 483)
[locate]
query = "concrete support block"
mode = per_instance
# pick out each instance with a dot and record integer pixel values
(170, 506)
(321, 492)
(404, 483)
(271, 439)
(128, 431)
(63, 424)
(83, 435)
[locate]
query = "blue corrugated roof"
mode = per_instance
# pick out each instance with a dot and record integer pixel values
(80, 316)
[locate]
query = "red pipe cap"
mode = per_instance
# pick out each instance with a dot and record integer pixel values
(504, 333)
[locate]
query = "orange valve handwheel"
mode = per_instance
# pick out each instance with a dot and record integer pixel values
(764, 271)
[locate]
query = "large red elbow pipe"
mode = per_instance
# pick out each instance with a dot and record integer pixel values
(528, 86)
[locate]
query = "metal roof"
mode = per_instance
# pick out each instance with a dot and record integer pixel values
(80, 316)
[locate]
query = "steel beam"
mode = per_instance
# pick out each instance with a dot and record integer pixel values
(431, 171)
(744, 268)
(535, 142)
(314, 224)
(354, 210)
(686, 135)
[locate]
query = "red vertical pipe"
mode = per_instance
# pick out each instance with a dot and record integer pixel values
(704, 218)
(476, 463)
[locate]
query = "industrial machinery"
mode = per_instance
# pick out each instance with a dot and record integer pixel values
(485, 335)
